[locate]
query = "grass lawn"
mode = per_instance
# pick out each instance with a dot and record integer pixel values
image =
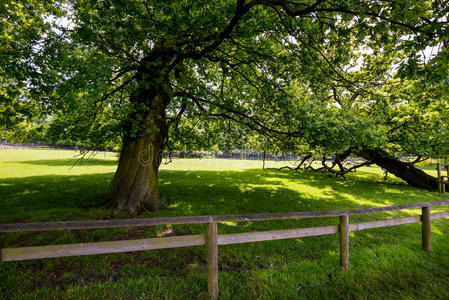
(386, 263)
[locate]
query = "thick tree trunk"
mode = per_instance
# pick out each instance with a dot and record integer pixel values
(135, 183)
(405, 171)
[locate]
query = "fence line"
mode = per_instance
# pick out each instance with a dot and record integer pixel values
(212, 239)
(36, 145)
(97, 224)
(246, 154)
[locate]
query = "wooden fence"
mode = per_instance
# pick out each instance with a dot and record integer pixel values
(442, 180)
(211, 238)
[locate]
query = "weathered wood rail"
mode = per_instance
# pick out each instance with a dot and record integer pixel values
(212, 239)
(442, 179)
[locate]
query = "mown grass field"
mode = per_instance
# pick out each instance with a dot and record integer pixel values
(388, 263)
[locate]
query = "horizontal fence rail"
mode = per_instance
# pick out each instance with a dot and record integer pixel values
(212, 239)
(101, 224)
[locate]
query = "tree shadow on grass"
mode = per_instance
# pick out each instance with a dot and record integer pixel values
(253, 191)
(209, 192)
(56, 197)
(362, 186)
(32, 197)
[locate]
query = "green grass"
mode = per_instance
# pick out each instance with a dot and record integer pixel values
(42, 185)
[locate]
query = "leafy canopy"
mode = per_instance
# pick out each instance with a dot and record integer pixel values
(327, 74)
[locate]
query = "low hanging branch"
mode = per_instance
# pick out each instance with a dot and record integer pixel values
(337, 162)
(417, 160)
(336, 168)
(303, 160)
(406, 171)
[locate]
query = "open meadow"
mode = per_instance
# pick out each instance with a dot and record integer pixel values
(386, 263)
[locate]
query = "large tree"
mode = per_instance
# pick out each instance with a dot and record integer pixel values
(132, 69)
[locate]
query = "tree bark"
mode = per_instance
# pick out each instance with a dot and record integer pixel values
(403, 170)
(135, 183)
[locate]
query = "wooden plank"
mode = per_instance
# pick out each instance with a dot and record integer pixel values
(384, 223)
(25, 253)
(250, 237)
(344, 242)
(45, 226)
(304, 215)
(426, 229)
(212, 260)
(68, 225)
(439, 215)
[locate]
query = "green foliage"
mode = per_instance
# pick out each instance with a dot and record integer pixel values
(320, 76)
(24, 132)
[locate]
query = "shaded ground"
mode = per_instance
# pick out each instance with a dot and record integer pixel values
(385, 263)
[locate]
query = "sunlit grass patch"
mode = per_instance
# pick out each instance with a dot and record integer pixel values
(42, 185)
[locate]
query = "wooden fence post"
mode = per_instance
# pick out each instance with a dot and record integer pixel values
(212, 260)
(344, 242)
(426, 229)
(440, 184)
